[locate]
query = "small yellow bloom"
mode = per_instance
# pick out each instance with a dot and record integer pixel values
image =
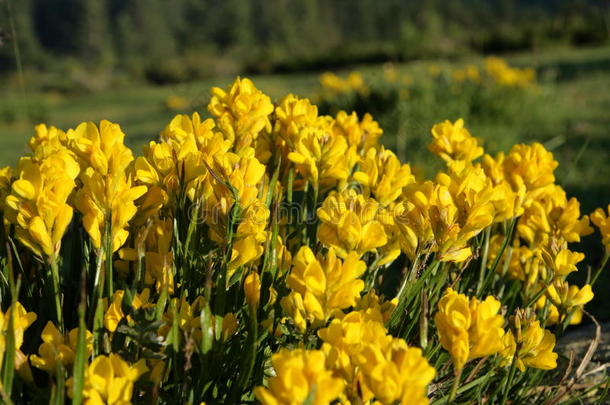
(323, 286)
(349, 223)
(109, 380)
(107, 196)
(454, 142)
(114, 314)
(300, 375)
(21, 321)
(469, 329)
(241, 112)
(531, 344)
(602, 221)
(383, 176)
(252, 289)
(56, 348)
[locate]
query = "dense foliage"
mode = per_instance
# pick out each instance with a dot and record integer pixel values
(270, 253)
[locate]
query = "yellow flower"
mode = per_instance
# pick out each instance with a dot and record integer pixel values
(408, 221)
(566, 297)
(6, 174)
(460, 208)
(107, 196)
(562, 262)
(383, 176)
(360, 135)
(300, 376)
(320, 157)
(454, 142)
(38, 203)
(158, 254)
(530, 167)
(114, 314)
(21, 321)
(349, 223)
(507, 202)
(504, 75)
(602, 221)
(109, 380)
(469, 329)
(531, 344)
(252, 289)
(354, 82)
(375, 365)
(396, 373)
(241, 112)
(553, 219)
(56, 348)
(324, 286)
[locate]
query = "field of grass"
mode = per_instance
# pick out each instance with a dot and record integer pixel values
(569, 114)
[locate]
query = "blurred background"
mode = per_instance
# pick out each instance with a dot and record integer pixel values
(515, 70)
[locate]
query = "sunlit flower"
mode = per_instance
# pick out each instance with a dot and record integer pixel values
(241, 112)
(349, 223)
(453, 142)
(382, 175)
(38, 203)
(469, 328)
(531, 344)
(323, 285)
(300, 376)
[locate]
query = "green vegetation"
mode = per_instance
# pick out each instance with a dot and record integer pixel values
(75, 45)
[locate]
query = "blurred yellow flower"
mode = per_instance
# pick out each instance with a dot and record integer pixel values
(252, 289)
(602, 221)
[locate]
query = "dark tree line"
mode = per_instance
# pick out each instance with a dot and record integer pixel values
(170, 40)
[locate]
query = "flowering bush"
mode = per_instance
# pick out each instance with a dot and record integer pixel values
(272, 254)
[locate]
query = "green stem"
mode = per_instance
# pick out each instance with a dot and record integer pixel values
(454, 387)
(601, 267)
(484, 260)
(108, 253)
(511, 376)
(56, 291)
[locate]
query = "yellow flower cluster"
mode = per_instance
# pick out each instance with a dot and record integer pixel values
(529, 345)
(273, 252)
(375, 365)
(109, 380)
(505, 75)
(21, 321)
(300, 377)
(321, 287)
(469, 328)
(56, 348)
(354, 82)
